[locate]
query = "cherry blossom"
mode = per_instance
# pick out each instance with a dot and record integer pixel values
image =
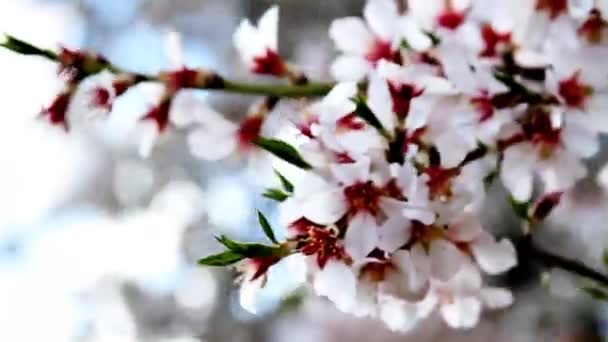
(365, 43)
(258, 46)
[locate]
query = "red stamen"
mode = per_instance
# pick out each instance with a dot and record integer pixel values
(593, 27)
(493, 40)
(269, 64)
(402, 95)
(574, 92)
(363, 197)
(350, 122)
(249, 131)
(381, 50)
(483, 105)
(553, 7)
(160, 114)
(56, 112)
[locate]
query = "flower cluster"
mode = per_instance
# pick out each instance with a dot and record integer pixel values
(386, 218)
(432, 105)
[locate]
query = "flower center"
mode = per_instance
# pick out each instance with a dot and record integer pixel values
(382, 50)
(483, 105)
(425, 234)
(402, 95)
(363, 197)
(493, 40)
(249, 130)
(553, 7)
(324, 243)
(350, 122)
(593, 27)
(269, 64)
(539, 130)
(440, 182)
(573, 91)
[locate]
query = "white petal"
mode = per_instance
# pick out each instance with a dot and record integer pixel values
(337, 103)
(398, 315)
(351, 35)
(417, 279)
(208, 146)
(421, 259)
(446, 259)
(380, 102)
(290, 210)
(338, 283)
(249, 295)
(350, 68)
(452, 147)
(494, 257)
(516, 171)
(361, 236)
(324, 207)
(351, 173)
(464, 227)
(462, 312)
(361, 141)
(394, 233)
(580, 139)
(148, 135)
(381, 16)
(414, 36)
(268, 26)
(496, 298)
(419, 213)
(248, 42)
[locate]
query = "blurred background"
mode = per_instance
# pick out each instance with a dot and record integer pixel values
(100, 245)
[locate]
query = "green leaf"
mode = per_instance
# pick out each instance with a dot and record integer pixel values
(520, 208)
(282, 150)
(364, 112)
(267, 228)
(287, 186)
(19, 46)
(250, 250)
(596, 293)
(275, 194)
(221, 259)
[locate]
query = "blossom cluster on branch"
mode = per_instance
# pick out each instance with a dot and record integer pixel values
(431, 106)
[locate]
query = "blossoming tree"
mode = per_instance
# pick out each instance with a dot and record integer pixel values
(390, 166)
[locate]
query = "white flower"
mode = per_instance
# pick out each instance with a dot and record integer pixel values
(340, 129)
(364, 43)
(258, 46)
(461, 299)
(548, 149)
(217, 138)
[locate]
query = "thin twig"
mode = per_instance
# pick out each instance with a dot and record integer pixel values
(219, 83)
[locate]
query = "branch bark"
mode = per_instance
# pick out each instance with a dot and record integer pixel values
(528, 250)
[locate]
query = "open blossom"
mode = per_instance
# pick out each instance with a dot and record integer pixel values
(217, 138)
(365, 43)
(258, 46)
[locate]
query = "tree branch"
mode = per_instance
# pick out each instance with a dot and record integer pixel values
(528, 250)
(218, 83)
